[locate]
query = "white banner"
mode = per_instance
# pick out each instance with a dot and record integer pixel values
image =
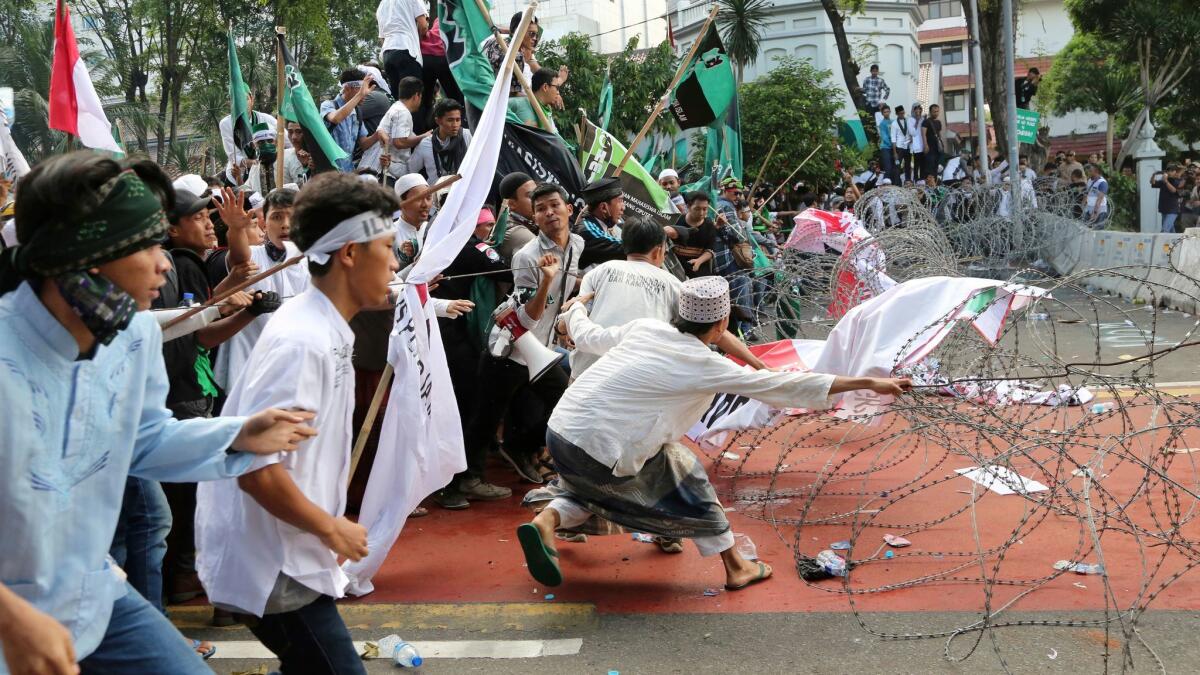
(421, 445)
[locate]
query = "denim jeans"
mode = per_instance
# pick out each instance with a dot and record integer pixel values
(312, 640)
(140, 541)
(888, 160)
(1168, 222)
(139, 639)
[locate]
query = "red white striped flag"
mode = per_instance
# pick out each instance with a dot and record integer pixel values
(74, 106)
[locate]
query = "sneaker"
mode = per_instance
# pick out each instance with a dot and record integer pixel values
(524, 467)
(451, 500)
(475, 489)
(669, 544)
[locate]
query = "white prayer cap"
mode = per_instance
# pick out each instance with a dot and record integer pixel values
(885, 181)
(256, 200)
(704, 300)
(667, 173)
(409, 181)
(368, 178)
(290, 186)
(192, 183)
(379, 79)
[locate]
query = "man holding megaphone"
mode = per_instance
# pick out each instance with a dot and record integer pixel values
(545, 273)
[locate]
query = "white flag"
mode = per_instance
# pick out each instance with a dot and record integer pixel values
(12, 162)
(421, 445)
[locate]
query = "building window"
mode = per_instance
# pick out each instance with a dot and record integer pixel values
(955, 100)
(951, 54)
(940, 9)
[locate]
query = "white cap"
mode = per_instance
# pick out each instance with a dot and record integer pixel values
(192, 183)
(368, 178)
(885, 181)
(256, 200)
(704, 300)
(667, 173)
(290, 186)
(409, 181)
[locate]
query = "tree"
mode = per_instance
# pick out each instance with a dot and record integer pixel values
(798, 106)
(640, 79)
(741, 24)
(996, 82)
(836, 11)
(1086, 75)
(1157, 36)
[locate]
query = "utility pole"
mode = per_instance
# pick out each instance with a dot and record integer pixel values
(977, 72)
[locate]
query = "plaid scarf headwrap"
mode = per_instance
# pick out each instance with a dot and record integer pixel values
(128, 219)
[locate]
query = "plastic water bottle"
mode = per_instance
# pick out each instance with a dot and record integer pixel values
(832, 563)
(1098, 408)
(406, 656)
(188, 300)
(745, 547)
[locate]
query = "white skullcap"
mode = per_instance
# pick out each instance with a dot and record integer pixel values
(290, 186)
(192, 183)
(885, 181)
(409, 181)
(368, 178)
(704, 300)
(256, 200)
(667, 173)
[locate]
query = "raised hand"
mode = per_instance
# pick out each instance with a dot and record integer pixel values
(229, 207)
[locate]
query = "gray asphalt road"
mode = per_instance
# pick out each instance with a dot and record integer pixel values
(813, 643)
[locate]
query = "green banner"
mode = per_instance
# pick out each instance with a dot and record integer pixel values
(1027, 125)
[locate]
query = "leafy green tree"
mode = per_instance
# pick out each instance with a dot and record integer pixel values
(798, 106)
(1157, 37)
(640, 78)
(741, 24)
(1087, 75)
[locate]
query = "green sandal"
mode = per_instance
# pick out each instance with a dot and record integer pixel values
(542, 560)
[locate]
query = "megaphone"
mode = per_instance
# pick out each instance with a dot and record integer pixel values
(538, 358)
(513, 337)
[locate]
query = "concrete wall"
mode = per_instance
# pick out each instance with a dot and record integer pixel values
(1132, 265)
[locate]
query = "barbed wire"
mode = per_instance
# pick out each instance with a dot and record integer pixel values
(1120, 485)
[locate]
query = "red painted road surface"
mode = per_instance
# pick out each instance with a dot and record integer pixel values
(473, 556)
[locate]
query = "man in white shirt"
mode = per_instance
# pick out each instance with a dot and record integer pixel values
(402, 25)
(270, 540)
(237, 163)
(397, 124)
(1096, 213)
(958, 168)
(916, 146)
(901, 143)
(614, 433)
(668, 179)
(287, 283)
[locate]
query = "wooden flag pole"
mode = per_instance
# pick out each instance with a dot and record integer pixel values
(537, 108)
(761, 169)
(240, 287)
(280, 124)
(448, 180)
(662, 102)
(793, 173)
(385, 380)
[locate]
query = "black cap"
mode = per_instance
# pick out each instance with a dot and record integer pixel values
(511, 183)
(187, 203)
(602, 190)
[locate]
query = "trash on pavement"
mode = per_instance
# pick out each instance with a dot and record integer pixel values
(643, 537)
(896, 541)
(842, 545)
(745, 547)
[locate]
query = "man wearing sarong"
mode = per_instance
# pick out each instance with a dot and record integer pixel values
(613, 435)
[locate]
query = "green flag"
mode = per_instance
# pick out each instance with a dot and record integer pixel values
(464, 28)
(708, 88)
(606, 103)
(239, 113)
(298, 106)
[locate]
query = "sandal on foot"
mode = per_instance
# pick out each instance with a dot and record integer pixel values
(763, 575)
(541, 559)
(419, 512)
(207, 654)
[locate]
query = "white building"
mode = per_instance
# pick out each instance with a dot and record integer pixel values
(610, 23)
(900, 35)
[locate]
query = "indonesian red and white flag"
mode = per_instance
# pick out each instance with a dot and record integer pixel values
(74, 106)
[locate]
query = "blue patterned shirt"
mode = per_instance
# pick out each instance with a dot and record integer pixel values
(346, 133)
(74, 429)
(875, 90)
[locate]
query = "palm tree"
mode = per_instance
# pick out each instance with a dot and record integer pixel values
(741, 23)
(1113, 92)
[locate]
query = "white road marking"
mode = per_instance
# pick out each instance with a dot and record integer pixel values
(457, 649)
